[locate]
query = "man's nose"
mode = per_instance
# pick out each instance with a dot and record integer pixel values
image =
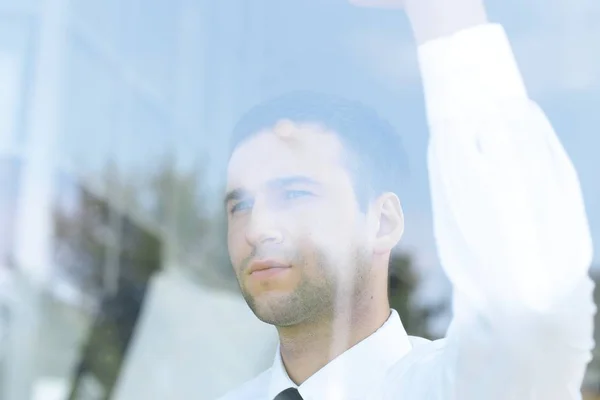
(263, 228)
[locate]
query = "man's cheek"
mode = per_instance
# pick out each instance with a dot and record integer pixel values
(312, 223)
(236, 252)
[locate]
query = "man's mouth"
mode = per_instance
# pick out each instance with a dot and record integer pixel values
(267, 268)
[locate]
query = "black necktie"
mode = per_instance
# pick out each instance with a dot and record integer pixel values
(289, 394)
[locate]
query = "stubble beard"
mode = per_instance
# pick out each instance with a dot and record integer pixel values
(332, 293)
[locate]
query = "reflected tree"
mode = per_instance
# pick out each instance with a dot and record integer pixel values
(403, 282)
(176, 201)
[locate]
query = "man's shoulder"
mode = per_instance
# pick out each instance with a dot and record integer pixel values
(255, 388)
(414, 372)
(424, 358)
(425, 349)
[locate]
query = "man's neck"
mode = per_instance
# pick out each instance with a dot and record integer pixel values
(307, 348)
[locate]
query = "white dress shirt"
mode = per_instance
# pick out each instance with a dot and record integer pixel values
(512, 236)
(352, 375)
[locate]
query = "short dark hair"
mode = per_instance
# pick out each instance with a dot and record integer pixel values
(375, 155)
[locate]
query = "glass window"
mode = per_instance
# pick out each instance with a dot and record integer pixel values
(15, 76)
(143, 148)
(84, 234)
(143, 301)
(103, 22)
(10, 6)
(103, 263)
(92, 102)
(112, 330)
(152, 44)
(10, 169)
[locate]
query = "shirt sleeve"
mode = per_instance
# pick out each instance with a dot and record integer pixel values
(510, 226)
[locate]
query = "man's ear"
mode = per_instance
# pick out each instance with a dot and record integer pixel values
(389, 218)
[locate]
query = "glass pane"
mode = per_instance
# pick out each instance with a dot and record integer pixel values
(11, 5)
(143, 300)
(15, 42)
(10, 73)
(103, 20)
(10, 169)
(144, 147)
(152, 43)
(91, 108)
(83, 236)
(90, 238)
(109, 338)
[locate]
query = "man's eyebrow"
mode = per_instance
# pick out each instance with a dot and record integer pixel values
(292, 180)
(235, 194)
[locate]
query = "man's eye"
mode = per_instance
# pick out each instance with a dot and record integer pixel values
(294, 194)
(241, 206)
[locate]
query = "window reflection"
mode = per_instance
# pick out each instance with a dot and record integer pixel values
(149, 92)
(10, 168)
(107, 259)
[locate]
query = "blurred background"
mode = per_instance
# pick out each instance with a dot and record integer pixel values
(114, 125)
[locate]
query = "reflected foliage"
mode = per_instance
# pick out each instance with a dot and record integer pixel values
(10, 168)
(107, 258)
(176, 201)
(403, 282)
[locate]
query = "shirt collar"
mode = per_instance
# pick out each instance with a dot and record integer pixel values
(355, 371)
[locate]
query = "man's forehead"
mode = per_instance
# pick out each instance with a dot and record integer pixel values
(286, 149)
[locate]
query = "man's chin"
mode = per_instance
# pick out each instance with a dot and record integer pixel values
(279, 320)
(275, 309)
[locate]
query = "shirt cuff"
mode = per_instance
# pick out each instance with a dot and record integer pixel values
(468, 70)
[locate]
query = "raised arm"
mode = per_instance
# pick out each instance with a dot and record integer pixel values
(509, 218)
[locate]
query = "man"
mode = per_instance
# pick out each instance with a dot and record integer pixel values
(313, 218)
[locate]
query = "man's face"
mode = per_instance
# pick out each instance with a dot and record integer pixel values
(296, 235)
